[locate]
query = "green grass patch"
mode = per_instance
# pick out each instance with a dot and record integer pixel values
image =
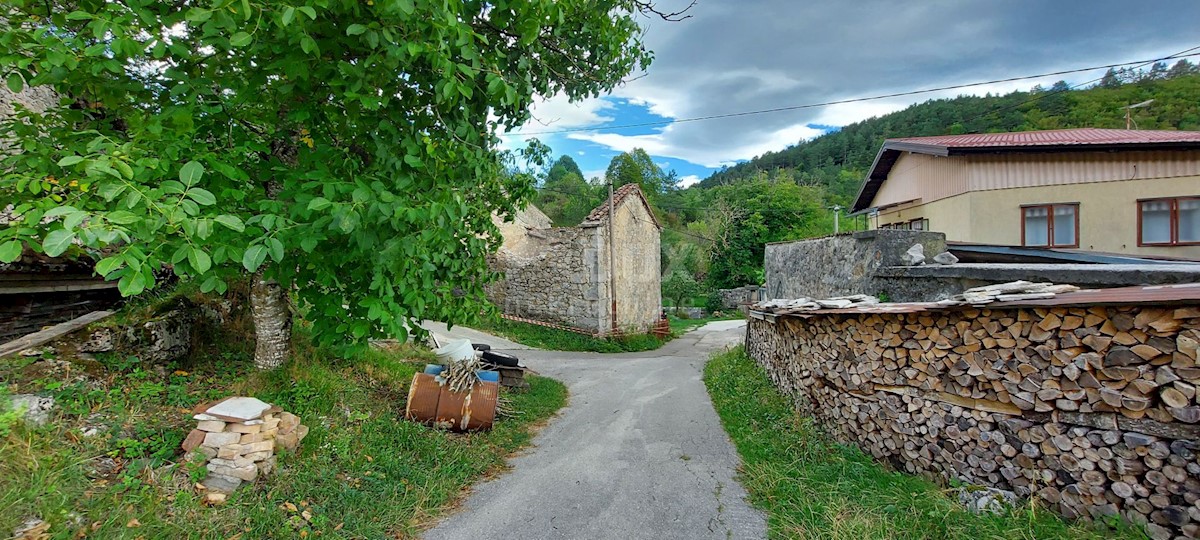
(811, 487)
(680, 326)
(554, 339)
(362, 472)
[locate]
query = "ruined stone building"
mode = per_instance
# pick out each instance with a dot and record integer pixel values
(562, 275)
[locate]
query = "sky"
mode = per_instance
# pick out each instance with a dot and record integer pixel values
(732, 56)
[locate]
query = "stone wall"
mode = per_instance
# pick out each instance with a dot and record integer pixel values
(36, 99)
(558, 279)
(735, 298)
(1091, 409)
(847, 264)
(637, 253)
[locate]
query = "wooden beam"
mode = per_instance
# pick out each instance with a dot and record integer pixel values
(50, 334)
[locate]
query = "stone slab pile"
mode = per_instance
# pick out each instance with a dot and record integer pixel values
(1094, 410)
(238, 438)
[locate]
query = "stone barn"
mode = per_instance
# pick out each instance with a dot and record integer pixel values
(563, 275)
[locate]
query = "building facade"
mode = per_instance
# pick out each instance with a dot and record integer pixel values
(1105, 190)
(563, 275)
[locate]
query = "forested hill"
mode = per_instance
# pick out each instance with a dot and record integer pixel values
(838, 160)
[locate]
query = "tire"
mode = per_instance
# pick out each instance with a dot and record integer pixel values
(481, 346)
(500, 359)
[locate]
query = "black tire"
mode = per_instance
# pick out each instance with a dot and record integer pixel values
(500, 359)
(481, 346)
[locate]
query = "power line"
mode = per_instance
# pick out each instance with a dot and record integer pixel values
(857, 100)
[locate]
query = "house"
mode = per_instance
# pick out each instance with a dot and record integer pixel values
(563, 275)
(1106, 190)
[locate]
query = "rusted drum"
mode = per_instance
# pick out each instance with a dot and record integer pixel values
(468, 411)
(423, 396)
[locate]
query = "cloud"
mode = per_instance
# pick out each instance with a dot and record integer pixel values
(689, 180)
(734, 56)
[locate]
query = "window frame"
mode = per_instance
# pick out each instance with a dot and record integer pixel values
(924, 224)
(1050, 224)
(1174, 221)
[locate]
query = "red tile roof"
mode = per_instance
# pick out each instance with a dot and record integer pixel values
(1055, 137)
(1056, 140)
(600, 213)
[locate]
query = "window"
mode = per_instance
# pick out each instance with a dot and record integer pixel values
(919, 224)
(1169, 222)
(1050, 225)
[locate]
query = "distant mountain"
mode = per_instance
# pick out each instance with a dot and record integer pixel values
(839, 160)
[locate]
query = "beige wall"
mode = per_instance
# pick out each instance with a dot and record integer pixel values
(1107, 213)
(639, 292)
(933, 178)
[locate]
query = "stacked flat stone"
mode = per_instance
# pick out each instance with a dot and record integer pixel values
(238, 438)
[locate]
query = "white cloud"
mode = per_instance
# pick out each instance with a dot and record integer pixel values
(689, 180)
(663, 144)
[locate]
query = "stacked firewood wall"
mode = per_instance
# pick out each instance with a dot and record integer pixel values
(1091, 409)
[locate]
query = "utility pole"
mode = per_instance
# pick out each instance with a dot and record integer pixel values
(612, 258)
(1129, 109)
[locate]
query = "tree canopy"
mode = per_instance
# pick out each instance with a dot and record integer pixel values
(345, 149)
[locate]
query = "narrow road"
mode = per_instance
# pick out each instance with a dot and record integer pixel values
(637, 453)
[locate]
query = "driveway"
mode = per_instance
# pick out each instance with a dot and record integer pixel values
(637, 453)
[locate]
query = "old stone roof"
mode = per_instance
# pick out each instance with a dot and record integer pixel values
(599, 214)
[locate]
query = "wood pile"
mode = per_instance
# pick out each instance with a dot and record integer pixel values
(1094, 409)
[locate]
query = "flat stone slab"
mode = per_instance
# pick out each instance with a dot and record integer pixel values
(238, 409)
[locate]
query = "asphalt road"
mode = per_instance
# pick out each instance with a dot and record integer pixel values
(637, 453)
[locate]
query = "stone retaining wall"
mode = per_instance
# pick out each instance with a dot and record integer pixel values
(1090, 409)
(559, 282)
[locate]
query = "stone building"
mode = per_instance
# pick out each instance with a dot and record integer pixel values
(562, 275)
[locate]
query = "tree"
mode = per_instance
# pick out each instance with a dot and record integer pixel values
(637, 167)
(679, 286)
(562, 167)
(339, 149)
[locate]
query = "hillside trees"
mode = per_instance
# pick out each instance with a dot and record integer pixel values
(335, 148)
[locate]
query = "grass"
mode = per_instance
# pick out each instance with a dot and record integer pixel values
(811, 487)
(362, 472)
(553, 339)
(681, 326)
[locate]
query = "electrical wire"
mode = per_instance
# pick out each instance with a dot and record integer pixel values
(1139, 63)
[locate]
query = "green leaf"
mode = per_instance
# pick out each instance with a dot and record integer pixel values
(69, 160)
(199, 15)
(406, 6)
(289, 13)
(240, 39)
(190, 173)
(57, 242)
(355, 29)
(202, 196)
(132, 284)
(319, 203)
(121, 217)
(254, 257)
(413, 161)
(10, 251)
(312, 13)
(78, 16)
(107, 265)
(199, 260)
(231, 222)
(276, 248)
(16, 83)
(211, 284)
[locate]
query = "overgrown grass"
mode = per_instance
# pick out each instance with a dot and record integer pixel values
(362, 472)
(680, 326)
(554, 339)
(811, 487)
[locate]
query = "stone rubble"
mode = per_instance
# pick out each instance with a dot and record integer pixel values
(979, 499)
(35, 409)
(978, 296)
(945, 258)
(237, 438)
(915, 256)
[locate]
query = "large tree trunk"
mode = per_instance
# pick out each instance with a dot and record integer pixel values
(272, 322)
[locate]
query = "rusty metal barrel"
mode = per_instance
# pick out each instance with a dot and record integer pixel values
(433, 404)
